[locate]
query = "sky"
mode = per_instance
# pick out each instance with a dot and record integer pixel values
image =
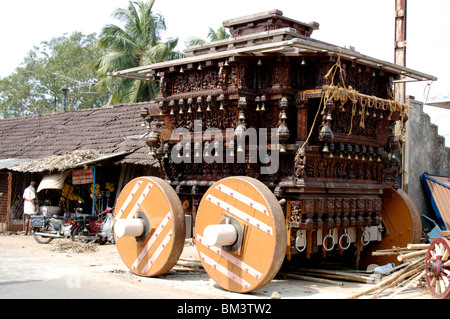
(367, 25)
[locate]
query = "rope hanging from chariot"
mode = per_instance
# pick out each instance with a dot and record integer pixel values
(345, 94)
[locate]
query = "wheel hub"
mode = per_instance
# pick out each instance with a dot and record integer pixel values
(435, 267)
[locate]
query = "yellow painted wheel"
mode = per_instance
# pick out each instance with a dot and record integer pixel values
(402, 226)
(256, 255)
(152, 203)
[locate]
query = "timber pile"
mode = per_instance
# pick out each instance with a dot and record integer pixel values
(407, 275)
(188, 265)
(387, 284)
(326, 276)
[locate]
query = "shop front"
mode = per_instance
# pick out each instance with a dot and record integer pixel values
(80, 182)
(83, 191)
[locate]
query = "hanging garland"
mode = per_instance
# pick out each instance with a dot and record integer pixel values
(109, 187)
(365, 101)
(343, 94)
(68, 194)
(97, 189)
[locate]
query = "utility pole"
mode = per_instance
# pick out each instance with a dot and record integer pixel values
(400, 87)
(400, 46)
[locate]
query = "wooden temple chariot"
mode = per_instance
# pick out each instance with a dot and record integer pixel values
(332, 125)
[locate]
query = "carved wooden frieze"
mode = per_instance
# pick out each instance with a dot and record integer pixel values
(334, 212)
(358, 152)
(186, 116)
(342, 169)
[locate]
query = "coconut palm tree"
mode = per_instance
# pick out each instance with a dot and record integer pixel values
(220, 34)
(137, 43)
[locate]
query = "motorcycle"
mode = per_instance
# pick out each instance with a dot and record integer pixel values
(94, 228)
(76, 226)
(46, 228)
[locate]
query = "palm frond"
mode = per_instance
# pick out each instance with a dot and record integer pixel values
(115, 61)
(138, 43)
(220, 34)
(194, 41)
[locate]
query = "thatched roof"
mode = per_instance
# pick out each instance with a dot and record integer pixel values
(61, 140)
(57, 163)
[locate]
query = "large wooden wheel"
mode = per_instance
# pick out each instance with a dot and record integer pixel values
(241, 234)
(437, 268)
(149, 226)
(402, 226)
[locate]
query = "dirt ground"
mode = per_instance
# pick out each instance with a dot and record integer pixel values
(103, 264)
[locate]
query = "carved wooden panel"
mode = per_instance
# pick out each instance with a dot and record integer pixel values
(334, 212)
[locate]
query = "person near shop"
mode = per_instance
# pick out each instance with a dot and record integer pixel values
(29, 205)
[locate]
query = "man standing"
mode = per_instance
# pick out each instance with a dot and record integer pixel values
(29, 205)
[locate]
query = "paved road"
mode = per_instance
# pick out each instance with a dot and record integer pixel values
(29, 270)
(25, 274)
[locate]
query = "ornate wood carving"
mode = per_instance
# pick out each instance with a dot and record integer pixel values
(334, 212)
(302, 120)
(335, 158)
(334, 169)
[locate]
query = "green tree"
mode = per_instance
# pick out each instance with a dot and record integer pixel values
(62, 62)
(220, 34)
(137, 43)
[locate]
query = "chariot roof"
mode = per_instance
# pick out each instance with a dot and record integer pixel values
(268, 33)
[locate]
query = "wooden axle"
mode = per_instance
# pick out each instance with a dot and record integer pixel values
(241, 231)
(134, 227)
(220, 235)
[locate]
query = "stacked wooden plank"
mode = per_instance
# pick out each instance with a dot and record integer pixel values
(405, 276)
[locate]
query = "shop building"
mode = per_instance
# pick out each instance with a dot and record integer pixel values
(104, 146)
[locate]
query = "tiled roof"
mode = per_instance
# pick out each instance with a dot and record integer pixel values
(106, 130)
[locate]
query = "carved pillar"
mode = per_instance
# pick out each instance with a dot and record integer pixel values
(338, 212)
(353, 212)
(360, 206)
(308, 205)
(377, 211)
(368, 209)
(331, 211)
(320, 208)
(302, 120)
(345, 212)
